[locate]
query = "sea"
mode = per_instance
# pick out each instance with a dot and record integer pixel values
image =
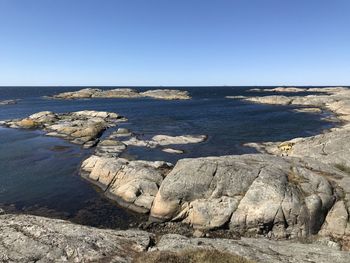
(39, 175)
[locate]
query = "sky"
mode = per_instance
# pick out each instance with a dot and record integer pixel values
(174, 42)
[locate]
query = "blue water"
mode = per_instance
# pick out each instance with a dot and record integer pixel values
(39, 174)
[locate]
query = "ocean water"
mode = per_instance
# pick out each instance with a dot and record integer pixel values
(39, 174)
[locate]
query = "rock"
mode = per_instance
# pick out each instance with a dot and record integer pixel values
(8, 102)
(117, 93)
(281, 89)
(184, 139)
(133, 184)
(82, 127)
(170, 150)
(308, 110)
(337, 221)
(164, 140)
(236, 97)
(252, 249)
(27, 238)
(122, 132)
(274, 99)
(165, 94)
(254, 193)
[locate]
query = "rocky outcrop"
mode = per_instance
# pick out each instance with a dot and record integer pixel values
(8, 102)
(253, 249)
(133, 184)
(82, 127)
(165, 140)
(167, 94)
(252, 194)
(281, 89)
(164, 94)
(26, 238)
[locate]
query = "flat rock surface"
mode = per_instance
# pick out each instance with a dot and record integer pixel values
(257, 250)
(26, 238)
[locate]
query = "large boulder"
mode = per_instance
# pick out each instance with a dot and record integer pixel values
(254, 193)
(133, 184)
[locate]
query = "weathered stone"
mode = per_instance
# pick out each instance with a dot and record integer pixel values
(261, 194)
(36, 239)
(257, 250)
(133, 184)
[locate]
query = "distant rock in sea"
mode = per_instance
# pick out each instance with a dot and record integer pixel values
(8, 102)
(163, 94)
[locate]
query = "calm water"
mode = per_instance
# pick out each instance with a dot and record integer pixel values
(39, 174)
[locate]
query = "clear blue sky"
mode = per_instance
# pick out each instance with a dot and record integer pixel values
(174, 42)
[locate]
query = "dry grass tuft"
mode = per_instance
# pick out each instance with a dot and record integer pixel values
(190, 256)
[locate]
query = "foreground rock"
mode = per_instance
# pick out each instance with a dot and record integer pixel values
(7, 102)
(36, 239)
(133, 184)
(252, 194)
(82, 127)
(250, 249)
(164, 94)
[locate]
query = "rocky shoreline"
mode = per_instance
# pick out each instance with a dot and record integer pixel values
(291, 191)
(163, 94)
(27, 238)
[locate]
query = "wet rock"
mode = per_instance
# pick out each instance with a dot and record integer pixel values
(308, 110)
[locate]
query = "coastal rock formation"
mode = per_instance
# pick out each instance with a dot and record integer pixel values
(36, 239)
(133, 184)
(81, 127)
(164, 94)
(164, 140)
(253, 249)
(281, 89)
(27, 238)
(257, 194)
(7, 102)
